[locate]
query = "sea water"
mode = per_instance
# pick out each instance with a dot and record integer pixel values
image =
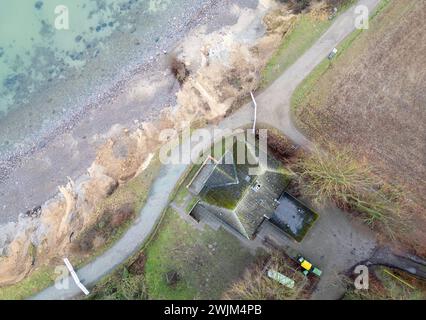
(33, 51)
(36, 56)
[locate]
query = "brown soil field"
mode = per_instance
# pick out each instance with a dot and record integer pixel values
(372, 98)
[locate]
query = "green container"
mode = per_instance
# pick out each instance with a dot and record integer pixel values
(317, 272)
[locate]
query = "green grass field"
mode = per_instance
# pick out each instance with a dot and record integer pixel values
(207, 261)
(38, 280)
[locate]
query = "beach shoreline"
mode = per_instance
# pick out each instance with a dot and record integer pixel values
(38, 155)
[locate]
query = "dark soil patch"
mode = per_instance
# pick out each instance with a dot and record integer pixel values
(138, 266)
(282, 148)
(121, 215)
(172, 278)
(179, 70)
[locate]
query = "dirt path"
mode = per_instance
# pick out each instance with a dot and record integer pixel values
(411, 264)
(338, 241)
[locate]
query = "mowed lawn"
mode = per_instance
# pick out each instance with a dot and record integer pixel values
(372, 98)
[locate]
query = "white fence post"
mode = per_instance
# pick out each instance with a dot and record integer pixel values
(75, 277)
(255, 112)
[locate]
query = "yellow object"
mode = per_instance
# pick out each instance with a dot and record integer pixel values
(306, 265)
(398, 278)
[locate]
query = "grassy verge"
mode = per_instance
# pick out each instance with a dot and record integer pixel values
(37, 281)
(182, 193)
(301, 94)
(307, 29)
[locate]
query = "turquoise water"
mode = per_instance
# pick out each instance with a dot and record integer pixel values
(33, 51)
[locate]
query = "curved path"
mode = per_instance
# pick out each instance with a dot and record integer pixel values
(274, 110)
(131, 242)
(274, 102)
(386, 257)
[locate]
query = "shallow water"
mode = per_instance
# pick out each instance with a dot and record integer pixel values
(38, 61)
(293, 217)
(49, 78)
(33, 50)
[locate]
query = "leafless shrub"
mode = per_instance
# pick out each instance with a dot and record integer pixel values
(126, 286)
(351, 184)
